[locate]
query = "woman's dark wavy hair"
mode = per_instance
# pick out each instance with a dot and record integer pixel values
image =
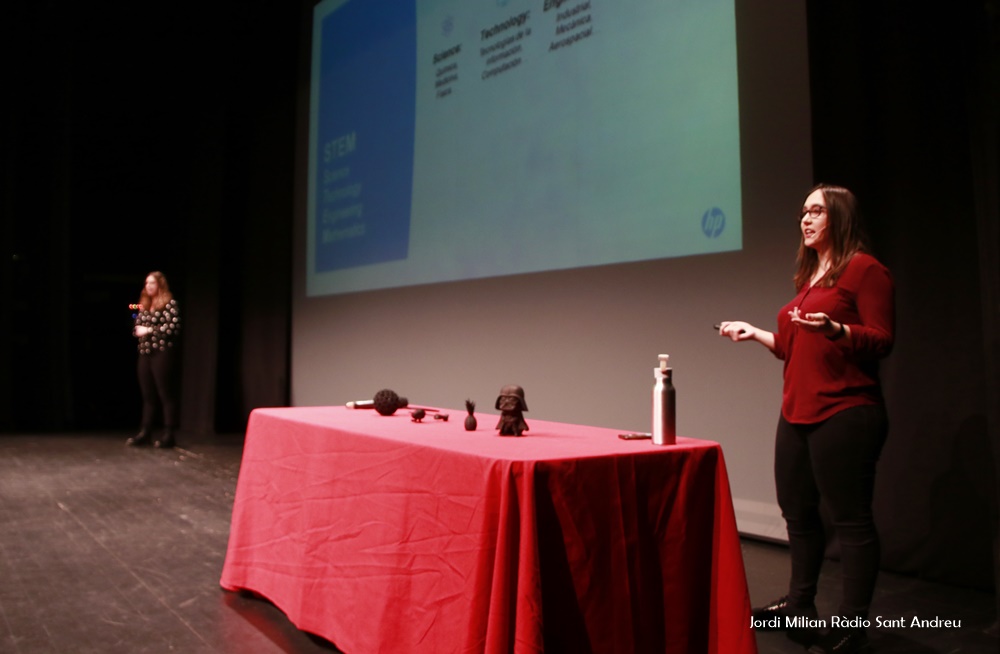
(844, 229)
(163, 294)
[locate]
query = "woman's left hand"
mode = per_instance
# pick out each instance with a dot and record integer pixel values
(814, 322)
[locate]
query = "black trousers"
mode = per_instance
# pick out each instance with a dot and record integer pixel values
(156, 380)
(833, 462)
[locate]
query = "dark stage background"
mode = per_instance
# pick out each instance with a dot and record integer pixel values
(163, 137)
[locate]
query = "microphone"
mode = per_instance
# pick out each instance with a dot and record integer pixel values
(386, 402)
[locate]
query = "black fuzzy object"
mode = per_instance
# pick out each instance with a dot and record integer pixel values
(387, 402)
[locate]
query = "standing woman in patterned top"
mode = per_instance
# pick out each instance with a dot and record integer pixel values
(157, 326)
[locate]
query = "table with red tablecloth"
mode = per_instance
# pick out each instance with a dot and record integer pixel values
(382, 534)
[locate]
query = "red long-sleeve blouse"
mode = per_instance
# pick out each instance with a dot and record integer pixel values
(824, 376)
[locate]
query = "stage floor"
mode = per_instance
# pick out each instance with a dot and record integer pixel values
(107, 549)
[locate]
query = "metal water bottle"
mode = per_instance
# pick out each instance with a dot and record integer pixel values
(664, 404)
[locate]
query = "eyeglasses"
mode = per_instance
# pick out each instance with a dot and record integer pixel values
(814, 212)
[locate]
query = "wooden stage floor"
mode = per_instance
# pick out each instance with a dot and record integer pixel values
(107, 549)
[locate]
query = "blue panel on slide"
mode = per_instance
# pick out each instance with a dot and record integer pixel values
(367, 105)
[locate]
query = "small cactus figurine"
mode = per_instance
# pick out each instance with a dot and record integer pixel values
(470, 420)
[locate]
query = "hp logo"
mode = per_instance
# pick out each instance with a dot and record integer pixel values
(713, 222)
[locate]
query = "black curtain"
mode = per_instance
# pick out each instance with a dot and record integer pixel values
(144, 138)
(904, 112)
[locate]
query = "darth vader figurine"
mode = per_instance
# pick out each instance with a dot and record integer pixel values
(512, 406)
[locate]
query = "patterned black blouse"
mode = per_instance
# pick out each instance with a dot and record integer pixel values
(166, 325)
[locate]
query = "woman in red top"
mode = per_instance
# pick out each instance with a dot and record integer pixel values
(833, 421)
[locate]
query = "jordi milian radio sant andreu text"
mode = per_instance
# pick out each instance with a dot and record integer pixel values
(801, 622)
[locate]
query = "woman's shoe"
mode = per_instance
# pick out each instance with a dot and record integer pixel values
(798, 622)
(165, 441)
(781, 613)
(842, 641)
(142, 438)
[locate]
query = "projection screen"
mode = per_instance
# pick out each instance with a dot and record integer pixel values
(551, 193)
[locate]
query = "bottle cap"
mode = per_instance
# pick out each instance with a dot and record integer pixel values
(664, 361)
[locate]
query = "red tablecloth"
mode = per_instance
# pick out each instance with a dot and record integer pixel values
(384, 535)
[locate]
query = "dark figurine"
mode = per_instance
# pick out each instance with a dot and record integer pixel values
(443, 417)
(470, 420)
(418, 415)
(512, 407)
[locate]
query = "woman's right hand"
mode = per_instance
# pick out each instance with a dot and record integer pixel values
(737, 330)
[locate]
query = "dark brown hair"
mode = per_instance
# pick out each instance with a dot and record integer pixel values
(846, 234)
(163, 294)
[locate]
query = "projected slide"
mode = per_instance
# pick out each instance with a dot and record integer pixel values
(460, 139)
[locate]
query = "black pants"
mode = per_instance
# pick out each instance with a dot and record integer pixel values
(156, 380)
(833, 461)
